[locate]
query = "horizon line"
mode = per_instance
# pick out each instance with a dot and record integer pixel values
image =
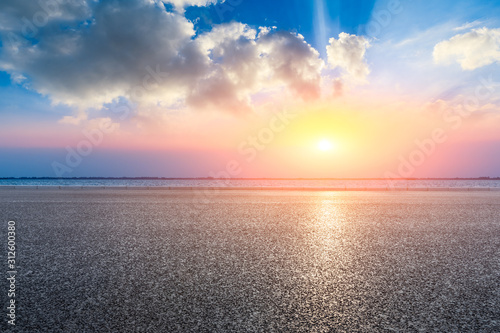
(248, 178)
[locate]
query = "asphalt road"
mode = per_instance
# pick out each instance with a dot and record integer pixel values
(252, 261)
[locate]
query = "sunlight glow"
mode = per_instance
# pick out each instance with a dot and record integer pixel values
(324, 145)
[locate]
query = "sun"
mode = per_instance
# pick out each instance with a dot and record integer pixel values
(324, 145)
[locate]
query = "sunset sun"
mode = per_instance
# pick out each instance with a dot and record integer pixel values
(325, 145)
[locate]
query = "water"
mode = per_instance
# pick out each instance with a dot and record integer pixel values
(311, 183)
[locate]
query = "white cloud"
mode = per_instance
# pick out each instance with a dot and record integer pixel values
(292, 61)
(186, 3)
(244, 63)
(348, 53)
(474, 49)
(467, 25)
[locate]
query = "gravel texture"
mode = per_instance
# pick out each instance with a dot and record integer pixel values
(253, 261)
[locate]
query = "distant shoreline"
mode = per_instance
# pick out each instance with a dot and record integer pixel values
(212, 178)
(207, 190)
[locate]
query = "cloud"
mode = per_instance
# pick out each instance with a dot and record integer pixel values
(348, 53)
(27, 17)
(132, 49)
(234, 69)
(187, 3)
(474, 49)
(244, 63)
(87, 54)
(467, 25)
(141, 52)
(292, 61)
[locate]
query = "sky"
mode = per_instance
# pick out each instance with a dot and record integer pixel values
(240, 88)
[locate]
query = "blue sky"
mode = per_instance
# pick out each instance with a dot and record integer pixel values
(54, 88)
